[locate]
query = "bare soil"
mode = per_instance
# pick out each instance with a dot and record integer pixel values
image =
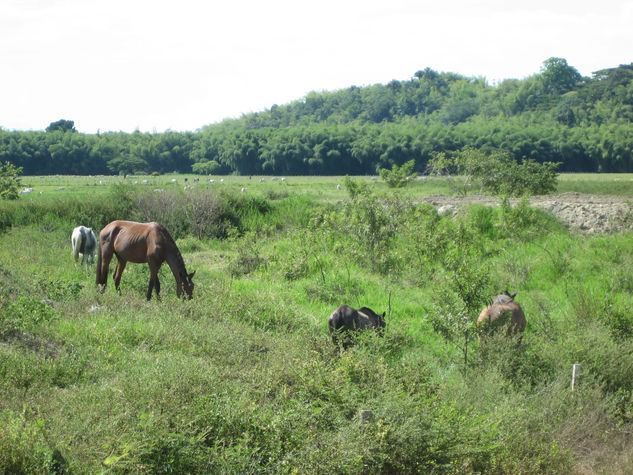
(592, 214)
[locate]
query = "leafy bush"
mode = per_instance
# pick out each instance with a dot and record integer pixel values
(372, 223)
(9, 181)
(497, 172)
(398, 176)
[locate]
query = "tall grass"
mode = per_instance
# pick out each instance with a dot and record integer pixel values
(245, 379)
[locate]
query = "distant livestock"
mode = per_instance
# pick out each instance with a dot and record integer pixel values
(26, 191)
(244, 190)
(84, 242)
(346, 320)
(503, 311)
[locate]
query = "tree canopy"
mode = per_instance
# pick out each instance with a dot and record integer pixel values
(583, 123)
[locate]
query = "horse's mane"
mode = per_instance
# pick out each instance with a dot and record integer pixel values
(177, 254)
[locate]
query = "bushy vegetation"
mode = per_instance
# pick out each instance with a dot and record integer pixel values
(398, 177)
(9, 181)
(555, 116)
(245, 379)
(495, 173)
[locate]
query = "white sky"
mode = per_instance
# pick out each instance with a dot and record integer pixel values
(154, 65)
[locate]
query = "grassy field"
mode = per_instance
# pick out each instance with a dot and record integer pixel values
(245, 379)
(317, 187)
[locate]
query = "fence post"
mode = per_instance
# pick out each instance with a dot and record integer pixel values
(575, 370)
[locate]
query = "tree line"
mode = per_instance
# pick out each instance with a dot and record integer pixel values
(585, 123)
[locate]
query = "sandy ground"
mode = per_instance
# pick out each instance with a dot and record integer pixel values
(594, 214)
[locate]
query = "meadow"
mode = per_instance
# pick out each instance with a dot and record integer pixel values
(244, 378)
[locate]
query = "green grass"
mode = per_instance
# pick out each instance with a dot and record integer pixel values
(315, 187)
(244, 378)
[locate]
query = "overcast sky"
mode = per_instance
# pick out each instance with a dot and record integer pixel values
(154, 65)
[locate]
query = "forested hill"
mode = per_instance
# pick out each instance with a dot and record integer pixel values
(556, 115)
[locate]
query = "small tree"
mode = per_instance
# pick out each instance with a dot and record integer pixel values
(10, 182)
(62, 125)
(398, 177)
(203, 167)
(462, 292)
(371, 223)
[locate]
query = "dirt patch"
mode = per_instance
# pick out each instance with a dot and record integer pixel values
(593, 214)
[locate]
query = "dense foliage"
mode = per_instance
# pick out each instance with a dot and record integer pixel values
(554, 116)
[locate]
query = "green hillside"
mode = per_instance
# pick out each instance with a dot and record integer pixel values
(556, 115)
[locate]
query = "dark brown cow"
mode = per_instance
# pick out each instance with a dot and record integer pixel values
(346, 319)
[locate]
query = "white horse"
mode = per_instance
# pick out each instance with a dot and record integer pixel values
(84, 242)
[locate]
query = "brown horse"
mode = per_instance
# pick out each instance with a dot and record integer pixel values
(141, 242)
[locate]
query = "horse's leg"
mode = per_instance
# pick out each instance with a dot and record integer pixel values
(75, 249)
(157, 286)
(153, 280)
(120, 267)
(106, 251)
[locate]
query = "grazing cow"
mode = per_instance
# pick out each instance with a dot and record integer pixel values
(503, 310)
(345, 320)
(84, 242)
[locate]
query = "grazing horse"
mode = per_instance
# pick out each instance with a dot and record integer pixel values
(503, 310)
(84, 242)
(139, 243)
(346, 319)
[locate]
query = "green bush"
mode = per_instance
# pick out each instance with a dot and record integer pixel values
(496, 173)
(398, 176)
(9, 181)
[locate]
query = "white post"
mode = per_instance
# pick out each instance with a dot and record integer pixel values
(575, 370)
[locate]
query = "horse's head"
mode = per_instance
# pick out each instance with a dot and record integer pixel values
(187, 284)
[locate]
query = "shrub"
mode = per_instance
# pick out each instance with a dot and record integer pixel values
(398, 177)
(9, 181)
(497, 173)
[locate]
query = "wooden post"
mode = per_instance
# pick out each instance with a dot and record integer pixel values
(575, 370)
